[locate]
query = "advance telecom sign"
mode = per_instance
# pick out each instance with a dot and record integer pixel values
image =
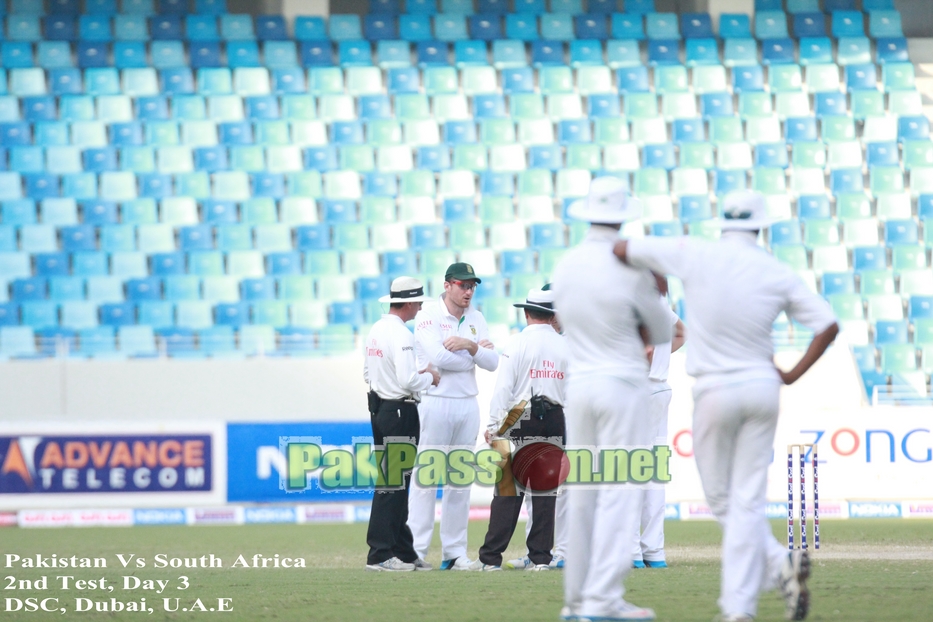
(105, 463)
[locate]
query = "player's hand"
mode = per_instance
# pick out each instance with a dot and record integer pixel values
(787, 377)
(649, 353)
(488, 436)
(455, 344)
(435, 377)
(485, 343)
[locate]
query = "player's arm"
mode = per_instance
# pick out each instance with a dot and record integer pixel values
(502, 396)
(428, 336)
(680, 336)
(662, 256)
(486, 356)
(653, 314)
(814, 313)
(407, 373)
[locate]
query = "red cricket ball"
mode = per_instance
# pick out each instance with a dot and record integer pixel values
(540, 467)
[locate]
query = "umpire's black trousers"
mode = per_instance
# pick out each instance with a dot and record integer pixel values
(388, 535)
(504, 511)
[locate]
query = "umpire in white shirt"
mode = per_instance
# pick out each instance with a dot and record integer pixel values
(533, 368)
(734, 291)
(451, 335)
(396, 383)
(609, 313)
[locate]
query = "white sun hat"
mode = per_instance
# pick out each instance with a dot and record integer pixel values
(745, 210)
(538, 300)
(607, 201)
(406, 289)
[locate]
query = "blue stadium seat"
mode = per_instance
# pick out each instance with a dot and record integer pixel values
(432, 53)
(734, 26)
(459, 132)
(847, 24)
(838, 283)
(688, 131)
(716, 105)
(869, 258)
(207, 54)
(522, 26)
(485, 27)
(518, 80)
(489, 106)
(546, 235)
(60, 27)
(920, 307)
(900, 232)
(659, 156)
(662, 26)
(816, 50)
(778, 51)
(891, 50)
(78, 238)
(882, 154)
(702, 52)
(414, 27)
(51, 264)
(426, 237)
(696, 26)
(728, 181)
(497, 184)
(283, 263)
(270, 28)
(813, 206)
(545, 157)
(453, 210)
(177, 81)
(380, 27)
(591, 26)
(468, 53)
(829, 104)
(633, 79)
(809, 25)
(693, 208)
(239, 54)
(664, 52)
(603, 106)
(771, 155)
(913, 128)
(316, 53)
(547, 53)
(231, 314)
(839, 5)
(800, 129)
(117, 314)
(861, 77)
(380, 184)
(770, 24)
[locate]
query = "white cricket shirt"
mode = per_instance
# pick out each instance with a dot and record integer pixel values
(433, 324)
(389, 364)
(734, 291)
(601, 303)
(661, 359)
(535, 362)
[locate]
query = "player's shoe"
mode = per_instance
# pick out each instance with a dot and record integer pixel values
(521, 563)
(557, 562)
(420, 564)
(393, 564)
(660, 563)
(568, 615)
(638, 564)
(458, 563)
(478, 565)
(627, 611)
(794, 577)
(741, 617)
(537, 567)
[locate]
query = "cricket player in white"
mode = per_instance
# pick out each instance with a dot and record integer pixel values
(609, 316)
(734, 291)
(649, 544)
(533, 367)
(452, 336)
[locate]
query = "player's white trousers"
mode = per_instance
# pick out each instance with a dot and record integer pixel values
(606, 412)
(649, 545)
(733, 441)
(446, 423)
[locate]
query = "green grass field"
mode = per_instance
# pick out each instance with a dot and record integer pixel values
(868, 570)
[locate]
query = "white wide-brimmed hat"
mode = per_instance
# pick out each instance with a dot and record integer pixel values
(538, 300)
(406, 289)
(745, 210)
(607, 201)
